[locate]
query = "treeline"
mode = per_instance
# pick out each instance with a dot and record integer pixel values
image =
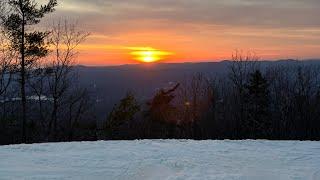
(250, 102)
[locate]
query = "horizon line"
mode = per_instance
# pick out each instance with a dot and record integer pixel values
(194, 62)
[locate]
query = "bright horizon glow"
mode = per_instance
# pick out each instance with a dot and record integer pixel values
(149, 55)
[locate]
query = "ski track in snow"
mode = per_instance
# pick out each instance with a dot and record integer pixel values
(163, 159)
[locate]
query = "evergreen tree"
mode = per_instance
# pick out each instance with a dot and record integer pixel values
(30, 45)
(161, 114)
(258, 104)
(122, 114)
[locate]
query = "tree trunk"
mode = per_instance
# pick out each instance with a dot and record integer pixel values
(23, 91)
(54, 119)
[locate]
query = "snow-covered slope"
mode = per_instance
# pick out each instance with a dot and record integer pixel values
(163, 159)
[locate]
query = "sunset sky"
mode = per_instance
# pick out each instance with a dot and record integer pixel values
(194, 30)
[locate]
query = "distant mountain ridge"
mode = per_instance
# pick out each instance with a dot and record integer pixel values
(193, 63)
(108, 84)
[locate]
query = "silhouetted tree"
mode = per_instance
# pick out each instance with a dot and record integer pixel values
(306, 83)
(161, 114)
(6, 66)
(21, 14)
(121, 115)
(195, 98)
(6, 74)
(239, 70)
(78, 105)
(257, 124)
(38, 86)
(64, 38)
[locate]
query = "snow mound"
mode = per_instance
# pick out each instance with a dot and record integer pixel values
(163, 159)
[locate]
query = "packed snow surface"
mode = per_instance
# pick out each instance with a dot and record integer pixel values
(163, 159)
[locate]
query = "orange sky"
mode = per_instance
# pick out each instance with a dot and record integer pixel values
(194, 30)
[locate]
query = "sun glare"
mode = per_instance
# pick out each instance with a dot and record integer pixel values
(149, 55)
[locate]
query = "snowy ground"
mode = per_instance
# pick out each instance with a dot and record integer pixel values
(163, 159)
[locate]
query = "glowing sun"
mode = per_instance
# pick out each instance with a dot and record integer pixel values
(148, 55)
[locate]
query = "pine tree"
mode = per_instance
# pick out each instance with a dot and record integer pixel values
(258, 104)
(161, 114)
(30, 45)
(122, 114)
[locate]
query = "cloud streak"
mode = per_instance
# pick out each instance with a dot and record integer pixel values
(271, 13)
(196, 25)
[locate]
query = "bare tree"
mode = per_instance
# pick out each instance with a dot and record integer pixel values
(306, 88)
(6, 76)
(64, 39)
(78, 105)
(241, 67)
(294, 92)
(6, 59)
(38, 86)
(195, 97)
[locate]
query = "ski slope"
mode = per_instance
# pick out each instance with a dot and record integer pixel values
(163, 159)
